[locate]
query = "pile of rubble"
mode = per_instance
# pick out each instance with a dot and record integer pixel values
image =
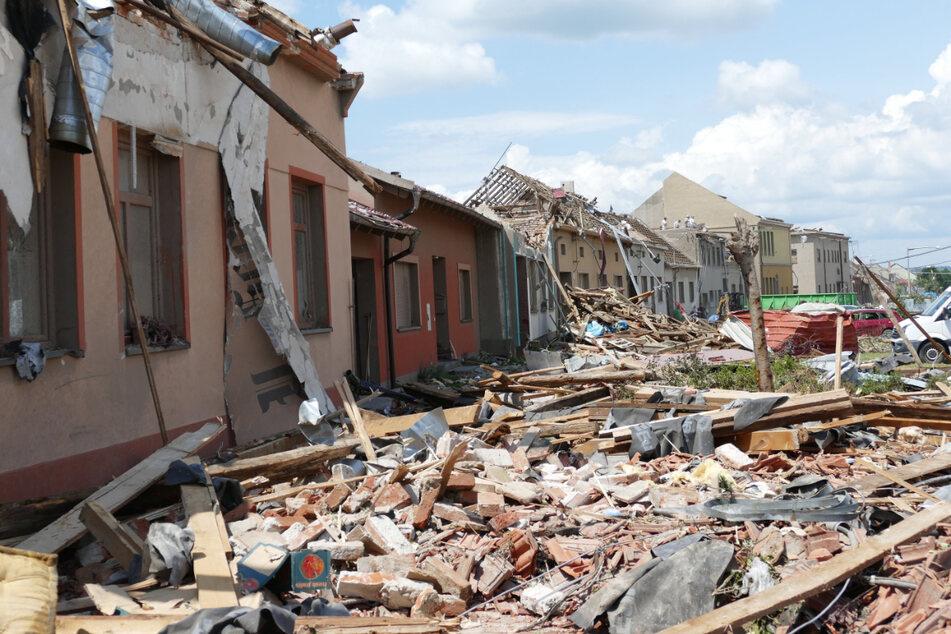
(627, 325)
(559, 501)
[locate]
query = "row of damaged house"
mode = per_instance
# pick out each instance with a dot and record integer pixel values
(560, 232)
(265, 264)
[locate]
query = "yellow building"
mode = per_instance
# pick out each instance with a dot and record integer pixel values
(680, 198)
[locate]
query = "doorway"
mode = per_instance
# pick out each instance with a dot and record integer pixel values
(366, 352)
(444, 350)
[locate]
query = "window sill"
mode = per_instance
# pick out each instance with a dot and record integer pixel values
(132, 350)
(316, 331)
(469, 321)
(54, 353)
(409, 328)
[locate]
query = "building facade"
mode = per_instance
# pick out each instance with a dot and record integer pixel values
(820, 262)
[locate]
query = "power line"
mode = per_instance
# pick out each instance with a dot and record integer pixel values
(909, 256)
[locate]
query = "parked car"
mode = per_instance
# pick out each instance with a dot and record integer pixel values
(870, 321)
(935, 319)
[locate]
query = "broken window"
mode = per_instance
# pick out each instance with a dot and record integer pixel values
(465, 294)
(310, 255)
(150, 210)
(534, 287)
(406, 282)
(38, 273)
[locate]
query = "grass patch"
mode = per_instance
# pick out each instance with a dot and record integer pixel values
(691, 371)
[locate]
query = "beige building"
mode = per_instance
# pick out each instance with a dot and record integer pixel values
(680, 197)
(820, 262)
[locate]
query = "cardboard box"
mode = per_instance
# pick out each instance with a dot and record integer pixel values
(260, 564)
(310, 570)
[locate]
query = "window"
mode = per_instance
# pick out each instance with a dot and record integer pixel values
(565, 278)
(580, 252)
(533, 287)
(690, 287)
(310, 254)
(680, 290)
(616, 256)
(465, 294)
(564, 250)
(38, 273)
(150, 212)
(583, 280)
(619, 281)
(406, 283)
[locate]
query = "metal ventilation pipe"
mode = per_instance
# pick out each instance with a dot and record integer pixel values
(93, 33)
(330, 37)
(229, 30)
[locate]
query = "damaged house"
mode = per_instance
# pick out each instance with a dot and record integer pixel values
(585, 247)
(207, 182)
(423, 292)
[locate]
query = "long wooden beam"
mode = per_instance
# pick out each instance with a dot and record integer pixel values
(824, 576)
(282, 108)
(114, 495)
(152, 624)
(286, 463)
(107, 194)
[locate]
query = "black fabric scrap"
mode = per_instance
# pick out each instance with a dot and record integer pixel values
(267, 619)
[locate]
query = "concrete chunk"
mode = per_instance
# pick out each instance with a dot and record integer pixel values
(387, 534)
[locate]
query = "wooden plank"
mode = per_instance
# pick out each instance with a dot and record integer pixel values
(68, 528)
(851, 420)
(768, 440)
(286, 463)
(131, 553)
(353, 413)
(152, 624)
(455, 417)
(865, 464)
(924, 410)
(941, 385)
(216, 588)
(924, 423)
(571, 400)
(908, 472)
(820, 578)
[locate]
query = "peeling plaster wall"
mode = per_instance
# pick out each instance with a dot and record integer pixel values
(15, 179)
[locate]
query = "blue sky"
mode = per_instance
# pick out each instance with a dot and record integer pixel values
(831, 114)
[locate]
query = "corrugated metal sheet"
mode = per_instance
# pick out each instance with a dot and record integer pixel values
(798, 333)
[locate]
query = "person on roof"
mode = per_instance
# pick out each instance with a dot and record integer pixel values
(663, 224)
(677, 224)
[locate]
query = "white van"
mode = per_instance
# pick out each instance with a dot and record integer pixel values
(936, 320)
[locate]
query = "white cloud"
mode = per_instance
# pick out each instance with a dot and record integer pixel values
(517, 123)
(742, 85)
(877, 175)
(434, 44)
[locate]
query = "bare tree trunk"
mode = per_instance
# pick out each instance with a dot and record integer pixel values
(744, 245)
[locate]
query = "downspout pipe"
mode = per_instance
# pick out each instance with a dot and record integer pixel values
(388, 287)
(227, 29)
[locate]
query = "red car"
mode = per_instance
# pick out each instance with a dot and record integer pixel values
(870, 321)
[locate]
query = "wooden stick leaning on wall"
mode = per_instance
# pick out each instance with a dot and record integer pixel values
(280, 106)
(837, 384)
(113, 217)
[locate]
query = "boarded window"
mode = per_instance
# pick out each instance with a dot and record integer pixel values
(310, 255)
(406, 281)
(465, 295)
(150, 198)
